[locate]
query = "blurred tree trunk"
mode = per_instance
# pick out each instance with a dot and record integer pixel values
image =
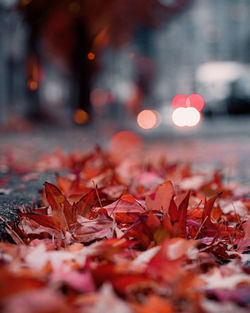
(82, 71)
(32, 76)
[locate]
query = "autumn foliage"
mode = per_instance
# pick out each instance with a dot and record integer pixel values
(132, 235)
(106, 22)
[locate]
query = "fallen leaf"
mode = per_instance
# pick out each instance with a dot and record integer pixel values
(88, 230)
(244, 243)
(155, 304)
(84, 205)
(62, 211)
(160, 201)
(124, 206)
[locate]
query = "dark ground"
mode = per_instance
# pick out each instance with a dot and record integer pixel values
(21, 193)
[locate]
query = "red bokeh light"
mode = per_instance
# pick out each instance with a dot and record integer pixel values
(194, 100)
(32, 85)
(147, 119)
(91, 56)
(98, 98)
(80, 116)
(125, 144)
(179, 101)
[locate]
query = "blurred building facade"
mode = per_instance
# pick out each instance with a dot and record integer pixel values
(208, 31)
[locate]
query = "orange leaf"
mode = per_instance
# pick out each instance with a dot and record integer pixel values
(244, 243)
(152, 221)
(44, 220)
(11, 283)
(63, 183)
(182, 214)
(124, 283)
(84, 205)
(208, 207)
(154, 304)
(163, 196)
(173, 212)
(62, 211)
(128, 198)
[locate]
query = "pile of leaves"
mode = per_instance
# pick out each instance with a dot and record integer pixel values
(129, 235)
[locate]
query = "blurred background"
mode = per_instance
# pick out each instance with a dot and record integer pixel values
(153, 79)
(90, 62)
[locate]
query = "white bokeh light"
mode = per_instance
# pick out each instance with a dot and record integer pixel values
(186, 117)
(178, 117)
(193, 117)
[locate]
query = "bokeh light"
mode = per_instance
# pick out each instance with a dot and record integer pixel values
(193, 117)
(123, 90)
(147, 119)
(179, 117)
(195, 100)
(54, 91)
(91, 56)
(125, 144)
(81, 116)
(32, 84)
(98, 98)
(186, 117)
(179, 101)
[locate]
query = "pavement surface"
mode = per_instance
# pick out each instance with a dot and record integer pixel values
(20, 193)
(220, 143)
